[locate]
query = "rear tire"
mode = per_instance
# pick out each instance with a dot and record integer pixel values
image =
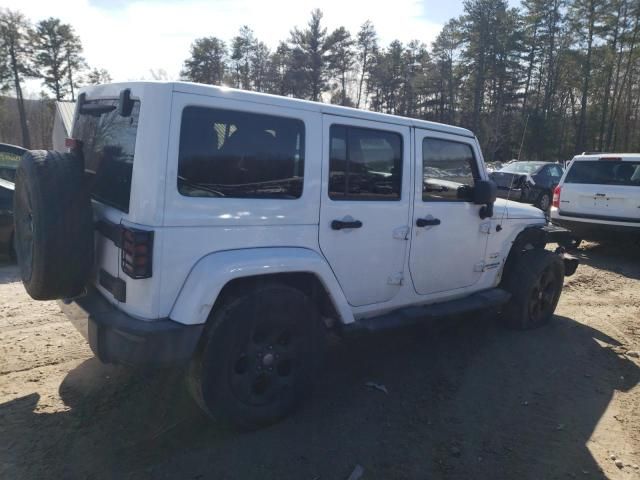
(535, 282)
(544, 201)
(53, 224)
(258, 358)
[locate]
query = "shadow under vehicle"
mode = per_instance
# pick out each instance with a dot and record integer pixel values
(509, 405)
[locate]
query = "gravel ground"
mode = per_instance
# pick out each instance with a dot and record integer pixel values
(468, 400)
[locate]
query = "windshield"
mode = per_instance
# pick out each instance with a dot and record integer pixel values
(108, 144)
(603, 172)
(521, 167)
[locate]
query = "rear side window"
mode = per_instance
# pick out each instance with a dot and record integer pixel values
(555, 171)
(450, 170)
(108, 142)
(225, 153)
(364, 164)
(604, 172)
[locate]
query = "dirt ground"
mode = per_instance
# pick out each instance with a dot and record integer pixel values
(466, 401)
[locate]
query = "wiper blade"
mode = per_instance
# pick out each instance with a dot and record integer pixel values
(96, 109)
(199, 186)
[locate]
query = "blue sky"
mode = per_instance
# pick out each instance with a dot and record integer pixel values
(132, 37)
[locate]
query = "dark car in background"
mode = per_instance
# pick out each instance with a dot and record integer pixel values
(10, 156)
(528, 182)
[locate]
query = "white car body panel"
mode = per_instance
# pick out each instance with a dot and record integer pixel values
(367, 275)
(202, 243)
(598, 204)
(445, 257)
(214, 271)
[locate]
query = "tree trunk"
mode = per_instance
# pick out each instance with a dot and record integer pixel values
(70, 72)
(586, 74)
(365, 54)
(607, 88)
(532, 56)
(616, 105)
(26, 140)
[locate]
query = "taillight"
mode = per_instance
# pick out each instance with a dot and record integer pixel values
(137, 252)
(72, 144)
(556, 197)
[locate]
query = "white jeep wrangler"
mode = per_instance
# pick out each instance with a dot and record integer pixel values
(226, 231)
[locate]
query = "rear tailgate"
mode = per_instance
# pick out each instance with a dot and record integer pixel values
(125, 164)
(602, 189)
(106, 140)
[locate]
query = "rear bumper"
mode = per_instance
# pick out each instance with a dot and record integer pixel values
(117, 338)
(595, 229)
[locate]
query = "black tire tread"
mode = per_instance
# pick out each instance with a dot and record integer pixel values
(222, 410)
(519, 279)
(63, 224)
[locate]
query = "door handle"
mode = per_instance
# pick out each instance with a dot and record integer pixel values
(427, 222)
(340, 224)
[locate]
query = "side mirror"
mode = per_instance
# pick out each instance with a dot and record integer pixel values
(485, 193)
(125, 104)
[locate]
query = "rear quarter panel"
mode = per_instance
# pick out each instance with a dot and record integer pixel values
(194, 227)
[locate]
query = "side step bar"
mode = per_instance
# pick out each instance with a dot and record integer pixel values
(413, 315)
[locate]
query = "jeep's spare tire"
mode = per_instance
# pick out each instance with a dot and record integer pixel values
(53, 224)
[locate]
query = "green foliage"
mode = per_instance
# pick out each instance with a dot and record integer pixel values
(553, 77)
(57, 57)
(207, 63)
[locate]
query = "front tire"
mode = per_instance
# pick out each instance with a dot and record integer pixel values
(259, 357)
(535, 282)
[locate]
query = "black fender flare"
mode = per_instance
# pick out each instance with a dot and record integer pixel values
(538, 236)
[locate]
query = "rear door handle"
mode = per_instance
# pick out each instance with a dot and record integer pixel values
(427, 222)
(340, 224)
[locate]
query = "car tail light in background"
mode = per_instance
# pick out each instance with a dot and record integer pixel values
(72, 144)
(137, 253)
(556, 197)
(613, 159)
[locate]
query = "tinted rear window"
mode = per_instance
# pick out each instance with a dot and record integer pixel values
(108, 145)
(226, 153)
(604, 172)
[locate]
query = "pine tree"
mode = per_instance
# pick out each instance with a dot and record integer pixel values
(15, 32)
(242, 48)
(367, 43)
(58, 58)
(98, 76)
(311, 48)
(341, 62)
(207, 63)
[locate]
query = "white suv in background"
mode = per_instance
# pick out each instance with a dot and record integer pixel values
(598, 197)
(226, 231)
